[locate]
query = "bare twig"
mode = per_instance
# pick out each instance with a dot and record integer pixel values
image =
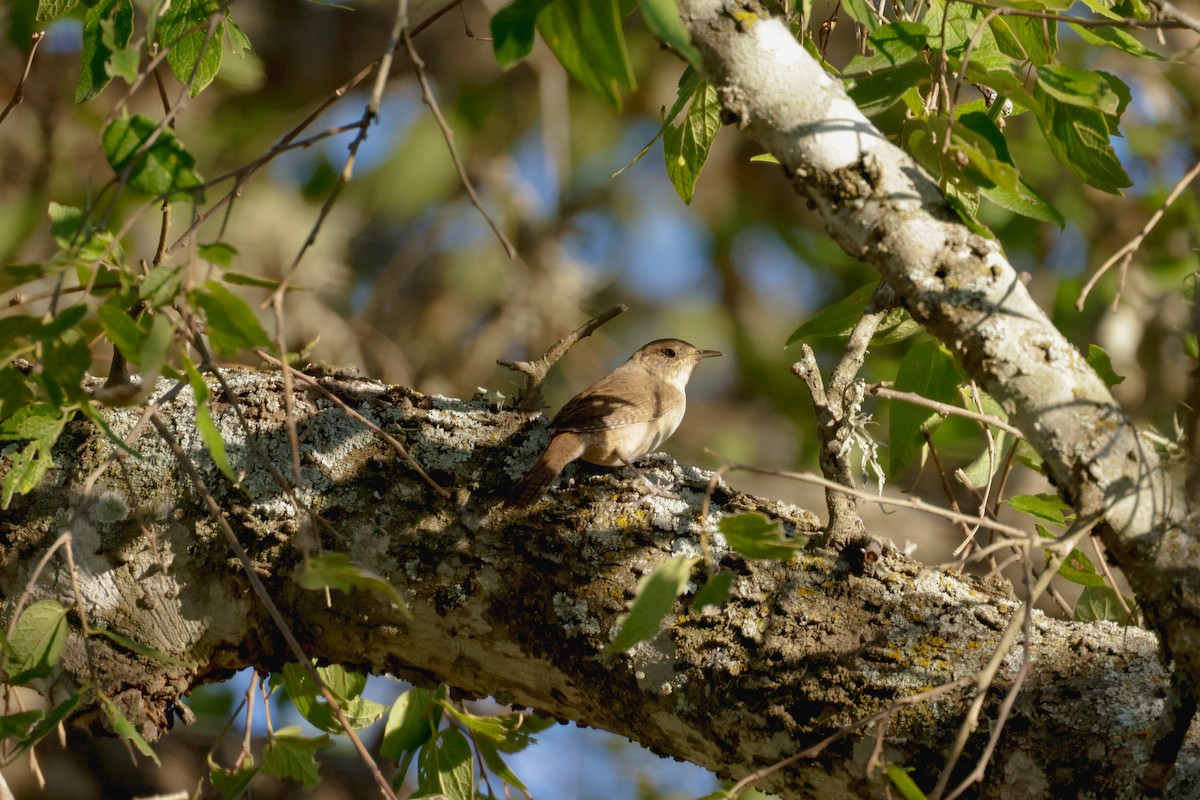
(530, 399)
(1126, 253)
(916, 504)
(835, 408)
(754, 777)
(1083, 22)
(943, 409)
(447, 133)
(18, 95)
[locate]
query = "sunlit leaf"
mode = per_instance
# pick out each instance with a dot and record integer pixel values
(656, 595)
(755, 536)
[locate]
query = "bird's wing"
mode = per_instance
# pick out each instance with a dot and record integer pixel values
(610, 403)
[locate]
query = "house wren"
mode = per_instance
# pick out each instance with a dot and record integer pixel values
(620, 417)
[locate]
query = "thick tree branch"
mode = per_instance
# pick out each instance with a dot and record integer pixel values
(883, 208)
(519, 605)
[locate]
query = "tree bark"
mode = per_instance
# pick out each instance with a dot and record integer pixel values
(518, 605)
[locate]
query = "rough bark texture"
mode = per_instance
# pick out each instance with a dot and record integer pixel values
(518, 605)
(882, 207)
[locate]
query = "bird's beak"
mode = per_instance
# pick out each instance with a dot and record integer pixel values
(708, 353)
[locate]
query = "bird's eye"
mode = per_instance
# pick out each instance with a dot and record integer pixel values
(669, 352)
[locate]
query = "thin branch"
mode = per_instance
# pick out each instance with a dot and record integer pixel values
(428, 98)
(943, 409)
(915, 504)
(1083, 22)
(1126, 253)
(754, 777)
(18, 95)
(530, 399)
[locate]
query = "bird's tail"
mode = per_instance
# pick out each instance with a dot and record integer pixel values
(563, 449)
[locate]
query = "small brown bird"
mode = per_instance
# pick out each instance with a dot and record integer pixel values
(619, 418)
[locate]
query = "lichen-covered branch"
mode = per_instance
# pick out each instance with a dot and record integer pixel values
(883, 208)
(519, 604)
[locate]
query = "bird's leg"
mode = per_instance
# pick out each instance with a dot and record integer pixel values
(653, 491)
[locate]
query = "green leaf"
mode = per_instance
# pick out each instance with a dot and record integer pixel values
(838, 319)
(117, 15)
(688, 82)
(292, 755)
(160, 286)
(1097, 359)
(42, 423)
(445, 767)
(1027, 202)
(156, 347)
(1048, 508)
(412, 722)
(125, 60)
(232, 783)
(14, 391)
(346, 688)
(894, 44)
(904, 784)
(961, 23)
(492, 728)
(512, 30)
(126, 730)
(36, 643)
(241, 279)
(1078, 568)
(52, 720)
(755, 536)
(335, 571)
(586, 37)
(896, 326)
(213, 442)
(14, 275)
(981, 470)
(67, 319)
(860, 11)
(232, 325)
(1038, 38)
(686, 147)
(715, 591)
(1097, 603)
(931, 372)
(1078, 87)
(137, 647)
(183, 29)
(218, 253)
(72, 233)
(50, 10)
(662, 18)
(1117, 38)
(1079, 139)
(163, 167)
(656, 595)
(883, 88)
(491, 757)
(121, 329)
(14, 726)
(523, 731)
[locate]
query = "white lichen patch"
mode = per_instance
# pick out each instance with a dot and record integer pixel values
(110, 507)
(574, 616)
